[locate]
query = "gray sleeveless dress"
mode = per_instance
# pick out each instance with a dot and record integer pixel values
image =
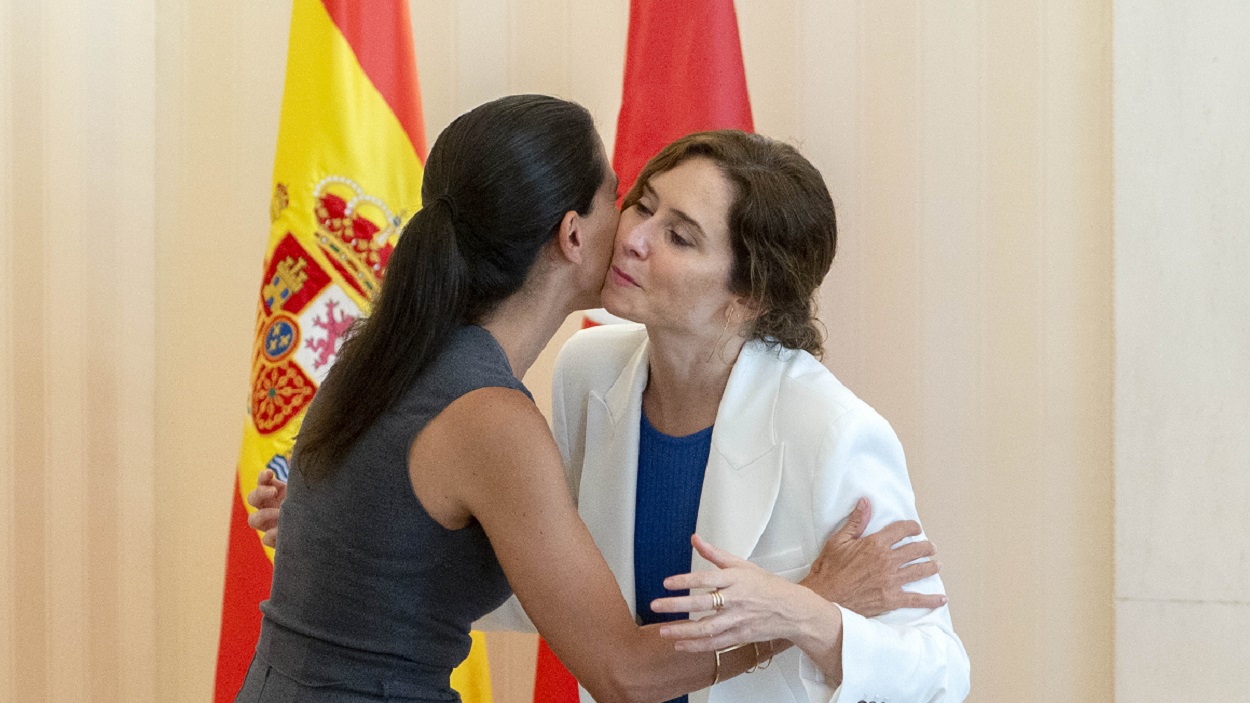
(372, 599)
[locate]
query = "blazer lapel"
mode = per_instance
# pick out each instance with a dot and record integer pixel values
(744, 470)
(610, 469)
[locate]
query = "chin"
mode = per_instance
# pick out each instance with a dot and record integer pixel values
(615, 308)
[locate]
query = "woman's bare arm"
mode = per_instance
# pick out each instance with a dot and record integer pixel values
(490, 455)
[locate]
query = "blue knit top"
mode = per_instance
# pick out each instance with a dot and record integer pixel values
(670, 481)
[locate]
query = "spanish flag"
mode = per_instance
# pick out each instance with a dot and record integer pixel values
(683, 74)
(347, 174)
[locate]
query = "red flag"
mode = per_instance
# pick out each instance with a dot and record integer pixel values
(683, 74)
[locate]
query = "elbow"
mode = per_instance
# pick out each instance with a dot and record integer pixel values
(961, 679)
(956, 681)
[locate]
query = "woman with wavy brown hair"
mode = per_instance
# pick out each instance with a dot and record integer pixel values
(713, 416)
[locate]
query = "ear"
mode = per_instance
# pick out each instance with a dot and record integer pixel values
(569, 239)
(748, 307)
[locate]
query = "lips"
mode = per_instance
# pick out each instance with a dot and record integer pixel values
(623, 278)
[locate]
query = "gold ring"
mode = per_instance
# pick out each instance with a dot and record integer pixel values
(718, 599)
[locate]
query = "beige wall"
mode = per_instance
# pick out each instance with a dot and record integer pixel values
(969, 148)
(970, 152)
(1182, 160)
(219, 83)
(77, 293)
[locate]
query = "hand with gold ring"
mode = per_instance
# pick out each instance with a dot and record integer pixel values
(747, 604)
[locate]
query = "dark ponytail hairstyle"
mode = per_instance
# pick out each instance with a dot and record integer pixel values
(497, 184)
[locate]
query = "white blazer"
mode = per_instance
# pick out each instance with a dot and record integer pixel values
(792, 451)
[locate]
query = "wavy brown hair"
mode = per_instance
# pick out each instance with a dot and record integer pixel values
(782, 228)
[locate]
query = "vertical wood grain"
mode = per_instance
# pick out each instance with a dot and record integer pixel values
(65, 147)
(220, 69)
(9, 496)
(597, 32)
(26, 344)
(78, 185)
(132, 446)
(967, 148)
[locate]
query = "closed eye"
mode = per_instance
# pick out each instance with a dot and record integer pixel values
(679, 240)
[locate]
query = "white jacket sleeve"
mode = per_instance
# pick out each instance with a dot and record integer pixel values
(910, 654)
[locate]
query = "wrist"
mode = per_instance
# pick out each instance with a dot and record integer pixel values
(818, 631)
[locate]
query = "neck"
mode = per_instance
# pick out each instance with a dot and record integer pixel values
(687, 378)
(524, 323)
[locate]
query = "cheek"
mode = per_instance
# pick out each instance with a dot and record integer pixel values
(701, 292)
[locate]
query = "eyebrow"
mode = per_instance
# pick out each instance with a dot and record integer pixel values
(681, 215)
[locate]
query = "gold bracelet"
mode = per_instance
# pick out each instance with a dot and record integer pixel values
(726, 650)
(756, 662)
(761, 667)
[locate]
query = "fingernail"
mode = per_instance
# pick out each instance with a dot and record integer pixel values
(664, 631)
(861, 503)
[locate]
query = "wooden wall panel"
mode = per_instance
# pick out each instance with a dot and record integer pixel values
(79, 192)
(220, 69)
(967, 146)
(9, 481)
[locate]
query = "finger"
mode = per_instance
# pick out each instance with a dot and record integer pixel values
(921, 570)
(710, 626)
(894, 532)
(711, 644)
(683, 604)
(859, 519)
(270, 538)
(715, 554)
(913, 551)
(922, 600)
(854, 526)
(266, 478)
(698, 579)
(264, 497)
(264, 519)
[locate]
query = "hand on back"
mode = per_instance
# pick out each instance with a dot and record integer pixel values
(267, 498)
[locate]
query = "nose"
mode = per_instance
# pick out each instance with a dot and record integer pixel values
(633, 238)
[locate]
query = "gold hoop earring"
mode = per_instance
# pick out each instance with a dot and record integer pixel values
(724, 335)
